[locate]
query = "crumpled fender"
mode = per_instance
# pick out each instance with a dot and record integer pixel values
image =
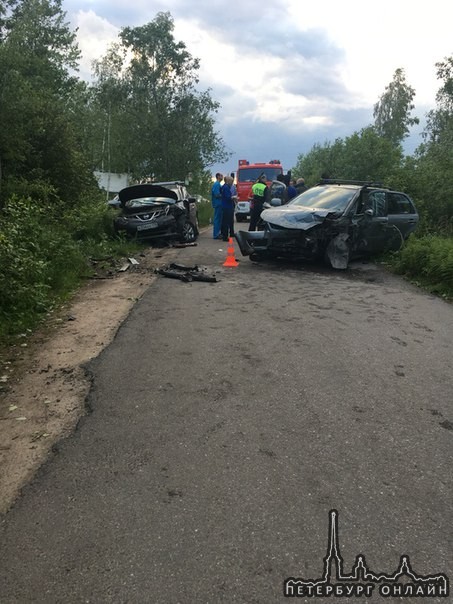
(338, 251)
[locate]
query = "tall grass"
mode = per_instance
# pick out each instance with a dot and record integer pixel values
(428, 262)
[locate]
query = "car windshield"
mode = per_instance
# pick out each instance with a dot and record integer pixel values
(147, 201)
(172, 188)
(328, 197)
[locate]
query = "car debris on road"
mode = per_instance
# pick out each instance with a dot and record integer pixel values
(186, 273)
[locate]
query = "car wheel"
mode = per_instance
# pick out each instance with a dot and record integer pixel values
(338, 252)
(189, 233)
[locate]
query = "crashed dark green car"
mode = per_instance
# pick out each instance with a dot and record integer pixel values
(336, 220)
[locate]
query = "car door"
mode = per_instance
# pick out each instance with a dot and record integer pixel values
(401, 213)
(375, 233)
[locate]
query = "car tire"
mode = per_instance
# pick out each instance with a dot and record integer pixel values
(189, 232)
(341, 260)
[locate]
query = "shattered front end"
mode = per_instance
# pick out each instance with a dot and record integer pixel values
(251, 241)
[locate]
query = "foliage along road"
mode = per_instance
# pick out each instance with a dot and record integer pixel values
(228, 419)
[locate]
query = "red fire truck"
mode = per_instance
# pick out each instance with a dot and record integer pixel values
(246, 175)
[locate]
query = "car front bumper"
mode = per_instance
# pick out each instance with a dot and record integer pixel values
(242, 209)
(163, 226)
(279, 242)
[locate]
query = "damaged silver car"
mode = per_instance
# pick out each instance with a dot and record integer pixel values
(336, 220)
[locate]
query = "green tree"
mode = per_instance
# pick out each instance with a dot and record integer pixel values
(445, 93)
(39, 140)
(439, 119)
(362, 156)
(146, 89)
(368, 156)
(5, 8)
(110, 132)
(433, 174)
(322, 161)
(392, 111)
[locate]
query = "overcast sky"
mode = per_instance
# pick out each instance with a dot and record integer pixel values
(287, 73)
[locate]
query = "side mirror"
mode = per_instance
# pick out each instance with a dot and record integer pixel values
(369, 212)
(275, 202)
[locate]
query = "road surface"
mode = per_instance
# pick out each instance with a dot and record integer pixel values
(228, 421)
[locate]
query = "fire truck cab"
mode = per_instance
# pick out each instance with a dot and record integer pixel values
(246, 175)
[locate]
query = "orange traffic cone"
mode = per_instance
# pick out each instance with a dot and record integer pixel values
(230, 259)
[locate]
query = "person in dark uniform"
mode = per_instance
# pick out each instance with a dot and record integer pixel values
(300, 185)
(260, 193)
(292, 191)
(227, 208)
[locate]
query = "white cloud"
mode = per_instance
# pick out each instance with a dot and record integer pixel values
(379, 38)
(288, 74)
(94, 35)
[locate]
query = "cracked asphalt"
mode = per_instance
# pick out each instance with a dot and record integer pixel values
(227, 420)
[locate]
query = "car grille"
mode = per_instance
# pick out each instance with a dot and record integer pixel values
(152, 215)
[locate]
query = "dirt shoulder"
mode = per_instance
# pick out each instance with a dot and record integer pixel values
(43, 378)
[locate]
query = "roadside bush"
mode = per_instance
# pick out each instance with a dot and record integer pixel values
(37, 259)
(45, 249)
(91, 219)
(428, 261)
(205, 213)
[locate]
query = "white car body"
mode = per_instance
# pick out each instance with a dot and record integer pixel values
(242, 210)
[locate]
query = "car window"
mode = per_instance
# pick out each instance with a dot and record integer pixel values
(328, 197)
(180, 190)
(376, 201)
(399, 204)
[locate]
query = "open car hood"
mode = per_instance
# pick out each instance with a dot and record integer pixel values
(295, 217)
(146, 190)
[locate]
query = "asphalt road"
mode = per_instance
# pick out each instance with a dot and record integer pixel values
(228, 419)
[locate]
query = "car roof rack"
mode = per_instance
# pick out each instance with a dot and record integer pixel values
(169, 182)
(340, 181)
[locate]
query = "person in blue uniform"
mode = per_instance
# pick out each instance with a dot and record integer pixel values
(292, 191)
(216, 200)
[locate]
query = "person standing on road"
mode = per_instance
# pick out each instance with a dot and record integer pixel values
(300, 185)
(260, 192)
(292, 191)
(234, 191)
(216, 200)
(227, 209)
(279, 190)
